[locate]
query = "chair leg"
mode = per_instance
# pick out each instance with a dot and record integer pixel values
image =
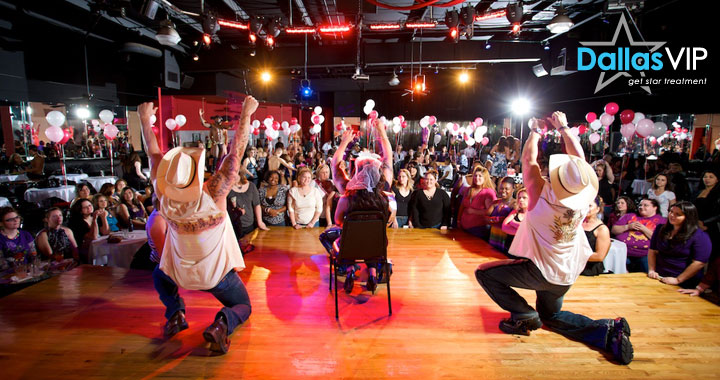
(387, 272)
(330, 272)
(337, 317)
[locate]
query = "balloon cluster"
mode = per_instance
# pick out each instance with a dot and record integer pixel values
(632, 124)
(172, 124)
(317, 118)
(428, 121)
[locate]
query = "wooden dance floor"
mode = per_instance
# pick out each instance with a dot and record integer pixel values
(98, 322)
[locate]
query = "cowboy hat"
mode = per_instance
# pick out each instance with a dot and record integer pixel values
(573, 181)
(180, 174)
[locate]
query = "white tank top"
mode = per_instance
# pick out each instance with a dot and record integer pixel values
(200, 245)
(553, 238)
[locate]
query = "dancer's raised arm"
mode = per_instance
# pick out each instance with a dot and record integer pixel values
(387, 153)
(572, 144)
(340, 177)
(532, 177)
(152, 149)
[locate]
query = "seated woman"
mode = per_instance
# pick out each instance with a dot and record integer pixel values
(679, 249)
(120, 184)
(273, 200)
(598, 236)
(108, 190)
(107, 221)
(499, 210)
(403, 192)
(130, 210)
(56, 240)
(623, 205)
(132, 171)
(709, 286)
(13, 240)
(513, 220)
(305, 201)
(84, 225)
(82, 191)
(430, 206)
(636, 230)
(476, 201)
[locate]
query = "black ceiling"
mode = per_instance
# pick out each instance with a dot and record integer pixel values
(52, 36)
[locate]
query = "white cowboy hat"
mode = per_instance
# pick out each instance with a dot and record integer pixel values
(573, 181)
(180, 174)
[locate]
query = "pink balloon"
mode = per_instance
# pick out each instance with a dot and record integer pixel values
(432, 120)
(478, 121)
(372, 115)
(55, 134)
(607, 119)
(590, 117)
(645, 128)
(627, 130)
(315, 119)
(484, 141)
(111, 131)
(594, 138)
(171, 124)
(611, 108)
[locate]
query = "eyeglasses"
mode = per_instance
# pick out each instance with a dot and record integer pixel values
(13, 219)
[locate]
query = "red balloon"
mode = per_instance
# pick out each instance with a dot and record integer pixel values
(66, 136)
(432, 120)
(582, 129)
(403, 124)
(293, 120)
(315, 119)
(612, 108)
(339, 127)
(256, 131)
(590, 117)
(627, 116)
(276, 125)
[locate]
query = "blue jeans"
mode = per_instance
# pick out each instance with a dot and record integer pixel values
(230, 291)
(401, 221)
(637, 264)
(483, 232)
(497, 282)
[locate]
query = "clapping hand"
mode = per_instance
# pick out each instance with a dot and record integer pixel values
(558, 120)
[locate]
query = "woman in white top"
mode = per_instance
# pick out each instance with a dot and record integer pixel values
(661, 192)
(305, 202)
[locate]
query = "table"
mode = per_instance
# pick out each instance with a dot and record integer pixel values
(118, 254)
(13, 177)
(146, 172)
(66, 193)
(616, 258)
(640, 186)
(4, 202)
(97, 182)
(71, 177)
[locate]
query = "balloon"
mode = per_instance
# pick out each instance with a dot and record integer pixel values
(404, 124)
(638, 116)
(470, 141)
(268, 122)
(627, 130)
(286, 131)
(107, 116)
(171, 124)
(396, 120)
(575, 131)
(627, 116)
(97, 128)
(295, 128)
(180, 120)
(66, 136)
(293, 120)
(276, 125)
(321, 118)
(316, 129)
(595, 124)
(659, 128)
(611, 108)
(94, 122)
(318, 110)
(256, 131)
(55, 118)
(582, 129)
(153, 119)
(432, 120)
(367, 110)
(111, 131)
(484, 141)
(478, 121)
(370, 104)
(424, 122)
(339, 127)
(54, 133)
(594, 138)
(372, 115)
(256, 124)
(397, 128)
(285, 125)
(607, 119)
(645, 128)
(590, 117)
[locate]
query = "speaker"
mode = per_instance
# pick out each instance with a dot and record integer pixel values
(187, 81)
(171, 71)
(150, 8)
(539, 70)
(564, 63)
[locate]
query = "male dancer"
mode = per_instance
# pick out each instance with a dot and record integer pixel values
(554, 247)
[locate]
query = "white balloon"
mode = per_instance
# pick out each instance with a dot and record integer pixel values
(461, 131)
(171, 124)
(396, 120)
(295, 128)
(94, 122)
(318, 110)
(470, 141)
(596, 124)
(316, 129)
(107, 116)
(256, 124)
(55, 118)
(287, 131)
(367, 110)
(638, 116)
(284, 125)
(388, 122)
(268, 122)
(478, 134)
(97, 128)
(153, 119)
(321, 119)
(424, 122)
(396, 128)
(180, 120)
(659, 129)
(370, 104)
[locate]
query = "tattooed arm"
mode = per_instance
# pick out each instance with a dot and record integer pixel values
(340, 178)
(221, 182)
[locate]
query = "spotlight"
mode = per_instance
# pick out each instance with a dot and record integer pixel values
(207, 39)
(256, 24)
(273, 28)
(400, 70)
(516, 28)
(514, 12)
(82, 113)
(560, 23)
(454, 35)
(270, 42)
(464, 77)
(488, 45)
(305, 90)
(167, 35)
(265, 76)
(545, 45)
(394, 81)
(29, 110)
(467, 15)
(253, 38)
(520, 106)
(419, 85)
(437, 69)
(452, 19)
(252, 52)
(195, 57)
(210, 24)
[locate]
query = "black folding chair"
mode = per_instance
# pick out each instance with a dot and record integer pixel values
(364, 238)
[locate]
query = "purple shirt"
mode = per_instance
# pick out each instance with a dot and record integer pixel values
(671, 260)
(636, 241)
(23, 242)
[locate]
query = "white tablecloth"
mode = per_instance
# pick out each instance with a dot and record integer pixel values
(640, 186)
(146, 172)
(13, 177)
(4, 202)
(66, 193)
(71, 177)
(97, 182)
(615, 260)
(118, 254)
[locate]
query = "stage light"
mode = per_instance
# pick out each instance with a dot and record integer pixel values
(467, 15)
(419, 85)
(270, 42)
(252, 52)
(233, 24)
(514, 12)
(195, 57)
(253, 38)
(29, 110)
(420, 25)
(265, 76)
(560, 23)
(255, 24)
(300, 30)
(491, 15)
(452, 19)
(488, 45)
(82, 113)
(520, 106)
(437, 69)
(335, 29)
(464, 77)
(167, 35)
(394, 81)
(305, 90)
(207, 39)
(454, 35)
(516, 28)
(400, 70)
(545, 45)
(385, 26)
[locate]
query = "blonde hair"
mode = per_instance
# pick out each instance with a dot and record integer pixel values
(488, 183)
(302, 171)
(410, 181)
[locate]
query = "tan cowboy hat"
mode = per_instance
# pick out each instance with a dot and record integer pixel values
(573, 181)
(180, 174)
